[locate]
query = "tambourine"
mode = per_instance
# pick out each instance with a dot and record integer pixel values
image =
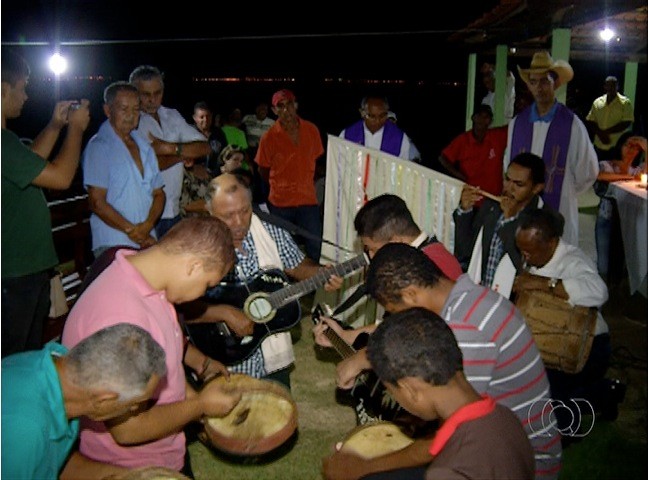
(154, 473)
(375, 439)
(264, 418)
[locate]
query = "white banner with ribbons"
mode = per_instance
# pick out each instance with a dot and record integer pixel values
(356, 174)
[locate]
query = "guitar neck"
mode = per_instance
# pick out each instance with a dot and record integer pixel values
(296, 290)
(343, 348)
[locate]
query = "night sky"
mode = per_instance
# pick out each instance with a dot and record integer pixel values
(308, 44)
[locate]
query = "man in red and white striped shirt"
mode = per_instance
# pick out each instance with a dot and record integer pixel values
(500, 356)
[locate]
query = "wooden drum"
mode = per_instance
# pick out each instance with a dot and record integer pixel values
(154, 473)
(263, 420)
(563, 334)
(375, 439)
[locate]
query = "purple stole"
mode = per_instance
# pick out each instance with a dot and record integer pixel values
(555, 149)
(391, 140)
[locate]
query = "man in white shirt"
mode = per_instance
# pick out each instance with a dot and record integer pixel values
(565, 271)
(488, 77)
(174, 141)
(376, 132)
(256, 124)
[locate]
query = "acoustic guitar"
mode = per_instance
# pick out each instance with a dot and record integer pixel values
(369, 397)
(269, 300)
(370, 400)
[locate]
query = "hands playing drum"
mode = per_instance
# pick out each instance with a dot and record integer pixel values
(364, 443)
(263, 420)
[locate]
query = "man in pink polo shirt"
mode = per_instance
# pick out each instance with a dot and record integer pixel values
(140, 287)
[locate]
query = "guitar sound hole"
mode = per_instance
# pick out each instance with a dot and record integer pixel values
(260, 310)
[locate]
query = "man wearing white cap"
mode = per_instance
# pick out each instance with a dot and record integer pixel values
(549, 129)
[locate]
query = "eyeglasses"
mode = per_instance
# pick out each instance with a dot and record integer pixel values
(375, 118)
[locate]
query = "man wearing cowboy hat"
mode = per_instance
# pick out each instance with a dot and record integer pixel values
(549, 129)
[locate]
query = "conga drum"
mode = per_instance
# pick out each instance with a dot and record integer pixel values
(375, 439)
(154, 473)
(563, 333)
(263, 420)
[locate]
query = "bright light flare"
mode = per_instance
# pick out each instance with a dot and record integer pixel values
(606, 34)
(57, 63)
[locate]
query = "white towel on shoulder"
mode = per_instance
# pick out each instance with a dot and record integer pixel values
(277, 348)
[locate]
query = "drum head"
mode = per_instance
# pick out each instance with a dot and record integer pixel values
(264, 419)
(154, 473)
(375, 440)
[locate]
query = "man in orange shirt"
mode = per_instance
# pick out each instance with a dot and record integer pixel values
(287, 156)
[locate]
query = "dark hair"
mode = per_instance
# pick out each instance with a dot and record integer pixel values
(396, 266)
(414, 343)
(14, 67)
(534, 163)
(383, 217)
(483, 108)
(617, 149)
(111, 91)
(548, 222)
(202, 105)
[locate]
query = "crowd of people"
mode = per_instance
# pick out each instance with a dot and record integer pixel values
(177, 209)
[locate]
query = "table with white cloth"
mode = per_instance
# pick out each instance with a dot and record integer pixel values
(632, 203)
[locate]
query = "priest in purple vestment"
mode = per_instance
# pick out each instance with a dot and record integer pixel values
(374, 131)
(552, 131)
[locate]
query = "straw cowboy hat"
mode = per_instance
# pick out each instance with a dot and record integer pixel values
(542, 63)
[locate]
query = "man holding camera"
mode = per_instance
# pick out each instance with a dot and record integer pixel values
(28, 254)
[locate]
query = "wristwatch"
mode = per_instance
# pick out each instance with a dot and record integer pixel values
(178, 149)
(552, 284)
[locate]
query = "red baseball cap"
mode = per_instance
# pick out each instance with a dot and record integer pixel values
(281, 95)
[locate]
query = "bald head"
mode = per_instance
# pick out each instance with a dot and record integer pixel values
(230, 199)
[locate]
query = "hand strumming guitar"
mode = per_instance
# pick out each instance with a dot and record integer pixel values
(349, 368)
(233, 317)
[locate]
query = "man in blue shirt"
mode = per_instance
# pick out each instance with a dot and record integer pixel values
(121, 174)
(112, 372)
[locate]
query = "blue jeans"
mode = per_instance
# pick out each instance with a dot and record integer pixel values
(307, 217)
(165, 224)
(603, 232)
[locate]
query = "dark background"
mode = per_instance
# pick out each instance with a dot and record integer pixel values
(328, 54)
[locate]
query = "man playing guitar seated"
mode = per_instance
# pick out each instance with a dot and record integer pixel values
(386, 219)
(259, 245)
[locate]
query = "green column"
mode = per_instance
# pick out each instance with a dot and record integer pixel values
(501, 53)
(560, 45)
(630, 81)
(470, 88)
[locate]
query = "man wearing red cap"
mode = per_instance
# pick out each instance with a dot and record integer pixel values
(286, 157)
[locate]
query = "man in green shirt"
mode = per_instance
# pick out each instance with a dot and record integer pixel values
(28, 253)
